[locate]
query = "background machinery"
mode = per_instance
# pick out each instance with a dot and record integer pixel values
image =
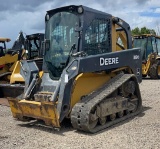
(5, 59)
(88, 74)
(23, 48)
(3, 45)
(33, 51)
(150, 50)
(10, 57)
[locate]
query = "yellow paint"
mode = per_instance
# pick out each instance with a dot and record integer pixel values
(9, 62)
(45, 111)
(147, 35)
(114, 34)
(8, 59)
(87, 83)
(16, 76)
(151, 57)
(146, 67)
(122, 36)
(118, 35)
(41, 74)
(5, 39)
(84, 84)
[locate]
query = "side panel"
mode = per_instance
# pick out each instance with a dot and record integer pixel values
(86, 83)
(106, 62)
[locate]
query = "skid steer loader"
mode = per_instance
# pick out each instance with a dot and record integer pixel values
(23, 48)
(150, 51)
(32, 50)
(89, 74)
(9, 58)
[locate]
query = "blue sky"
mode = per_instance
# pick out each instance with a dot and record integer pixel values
(28, 15)
(148, 14)
(151, 12)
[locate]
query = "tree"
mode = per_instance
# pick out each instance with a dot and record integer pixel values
(143, 30)
(136, 31)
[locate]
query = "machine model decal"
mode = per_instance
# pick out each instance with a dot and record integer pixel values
(136, 57)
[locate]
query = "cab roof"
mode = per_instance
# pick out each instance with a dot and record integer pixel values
(74, 8)
(146, 35)
(5, 39)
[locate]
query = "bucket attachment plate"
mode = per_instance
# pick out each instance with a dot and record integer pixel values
(45, 111)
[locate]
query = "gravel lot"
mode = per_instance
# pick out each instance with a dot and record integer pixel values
(140, 132)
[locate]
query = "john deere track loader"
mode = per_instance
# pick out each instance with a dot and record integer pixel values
(89, 74)
(150, 50)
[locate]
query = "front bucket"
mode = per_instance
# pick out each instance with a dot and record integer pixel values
(46, 111)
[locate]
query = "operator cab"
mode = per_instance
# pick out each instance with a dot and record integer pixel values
(3, 46)
(69, 35)
(148, 44)
(33, 45)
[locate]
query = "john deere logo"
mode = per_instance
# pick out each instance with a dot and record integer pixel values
(109, 61)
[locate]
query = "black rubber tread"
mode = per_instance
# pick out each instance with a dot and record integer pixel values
(81, 110)
(153, 71)
(144, 76)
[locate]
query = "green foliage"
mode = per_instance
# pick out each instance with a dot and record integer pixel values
(136, 31)
(143, 30)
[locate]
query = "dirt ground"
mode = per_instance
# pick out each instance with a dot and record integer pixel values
(139, 132)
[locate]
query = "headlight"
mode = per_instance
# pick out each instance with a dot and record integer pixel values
(72, 67)
(47, 17)
(80, 9)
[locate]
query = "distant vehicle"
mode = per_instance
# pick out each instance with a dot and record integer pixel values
(29, 48)
(150, 51)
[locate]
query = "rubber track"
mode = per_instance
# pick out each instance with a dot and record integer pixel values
(153, 71)
(81, 110)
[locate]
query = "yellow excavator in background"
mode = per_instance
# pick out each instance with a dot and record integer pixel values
(90, 72)
(150, 51)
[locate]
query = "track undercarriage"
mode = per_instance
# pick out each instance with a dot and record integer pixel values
(116, 101)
